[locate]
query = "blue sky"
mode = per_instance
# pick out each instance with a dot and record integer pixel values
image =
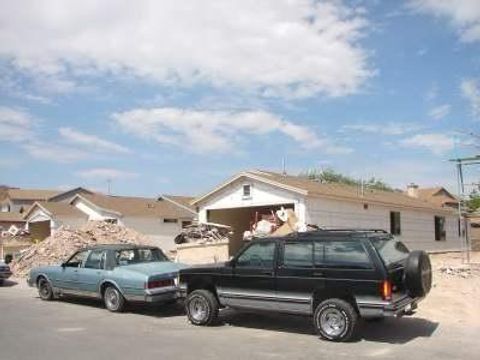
(169, 97)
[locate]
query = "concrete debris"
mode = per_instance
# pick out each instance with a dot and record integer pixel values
(279, 223)
(65, 241)
(463, 271)
(204, 233)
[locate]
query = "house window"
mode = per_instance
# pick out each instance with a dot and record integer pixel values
(440, 233)
(395, 227)
(365, 206)
(111, 221)
(247, 191)
(186, 223)
(170, 221)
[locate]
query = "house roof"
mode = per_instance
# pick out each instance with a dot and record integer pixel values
(73, 191)
(31, 194)
(184, 201)
(11, 217)
(437, 195)
(309, 187)
(56, 209)
(135, 206)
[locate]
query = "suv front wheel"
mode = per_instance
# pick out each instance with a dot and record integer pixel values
(335, 320)
(202, 307)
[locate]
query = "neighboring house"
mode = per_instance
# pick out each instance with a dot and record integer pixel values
(19, 200)
(11, 220)
(44, 217)
(161, 219)
(436, 195)
(420, 224)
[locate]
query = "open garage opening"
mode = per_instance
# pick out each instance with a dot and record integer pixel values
(241, 219)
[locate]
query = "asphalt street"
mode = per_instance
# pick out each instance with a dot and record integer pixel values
(82, 329)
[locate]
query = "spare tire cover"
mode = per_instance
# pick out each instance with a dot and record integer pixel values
(418, 274)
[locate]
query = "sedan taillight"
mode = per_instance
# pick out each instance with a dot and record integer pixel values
(159, 283)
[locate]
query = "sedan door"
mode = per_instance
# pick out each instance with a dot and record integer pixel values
(92, 273)
(66, 278)
(252, 283)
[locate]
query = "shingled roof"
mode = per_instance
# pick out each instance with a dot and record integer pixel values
(135, 206)
(31, 194)
(313, 188)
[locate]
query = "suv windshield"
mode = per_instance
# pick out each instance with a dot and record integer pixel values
(138, 256)
(391, 251)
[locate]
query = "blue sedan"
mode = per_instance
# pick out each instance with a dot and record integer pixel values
(115, 273)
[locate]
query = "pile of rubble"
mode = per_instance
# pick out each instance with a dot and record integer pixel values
(279, 223)
(65, 241)
(204, 233)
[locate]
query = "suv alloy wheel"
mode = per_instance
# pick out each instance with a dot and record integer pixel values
(202, 307)
(335, 319)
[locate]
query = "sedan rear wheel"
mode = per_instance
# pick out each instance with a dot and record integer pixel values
(114, 300)
(45, 289)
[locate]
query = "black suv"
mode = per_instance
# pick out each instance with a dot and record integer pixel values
(336, 276)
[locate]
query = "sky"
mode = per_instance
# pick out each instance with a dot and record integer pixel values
(175, 97)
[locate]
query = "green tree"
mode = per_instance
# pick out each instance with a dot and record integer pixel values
(473, 202)
(330, 176)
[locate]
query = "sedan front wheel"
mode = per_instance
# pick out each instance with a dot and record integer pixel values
(45, 290)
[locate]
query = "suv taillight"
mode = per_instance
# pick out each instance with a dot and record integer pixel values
(386, 290)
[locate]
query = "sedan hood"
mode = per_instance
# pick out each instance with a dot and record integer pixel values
(154, 268)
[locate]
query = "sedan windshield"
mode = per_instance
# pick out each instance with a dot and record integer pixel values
(391, 251)
(138, 256)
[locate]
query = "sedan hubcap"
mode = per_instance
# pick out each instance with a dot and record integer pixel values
(198, 309)
(112, 299)
(333, 322)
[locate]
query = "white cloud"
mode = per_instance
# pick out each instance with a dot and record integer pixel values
(273, 47)
(464, 15)
(436, 143)
(439, 112)
(15, 124)
(390, 128)
(91, 141)
(471, 91)
(213, 131)
(106, 173)
(53, 152)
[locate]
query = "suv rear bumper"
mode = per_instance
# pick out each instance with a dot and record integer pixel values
(400, 306)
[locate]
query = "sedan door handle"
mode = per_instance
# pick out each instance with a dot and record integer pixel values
(318, 273)
(267, 272)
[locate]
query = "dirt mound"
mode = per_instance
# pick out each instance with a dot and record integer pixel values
(64, 242)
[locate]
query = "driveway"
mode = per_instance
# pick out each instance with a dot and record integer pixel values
(82, 329)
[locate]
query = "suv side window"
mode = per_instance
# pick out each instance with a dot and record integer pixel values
(341, 254)
(258, 255)
(298, 254)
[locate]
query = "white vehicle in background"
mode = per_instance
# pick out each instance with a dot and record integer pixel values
(5, 272)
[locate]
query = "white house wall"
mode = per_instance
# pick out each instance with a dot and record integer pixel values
(417, 226)
(162, 234)
(261, 194)
(94, 214)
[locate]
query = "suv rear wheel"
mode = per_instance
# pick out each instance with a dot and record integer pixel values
(335, 320)
(202, 307)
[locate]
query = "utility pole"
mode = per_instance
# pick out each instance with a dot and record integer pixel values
(109, 186)
(464, 232)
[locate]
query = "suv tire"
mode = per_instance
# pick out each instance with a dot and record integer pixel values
(335, 320)
(418, 274)
(201, 307)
